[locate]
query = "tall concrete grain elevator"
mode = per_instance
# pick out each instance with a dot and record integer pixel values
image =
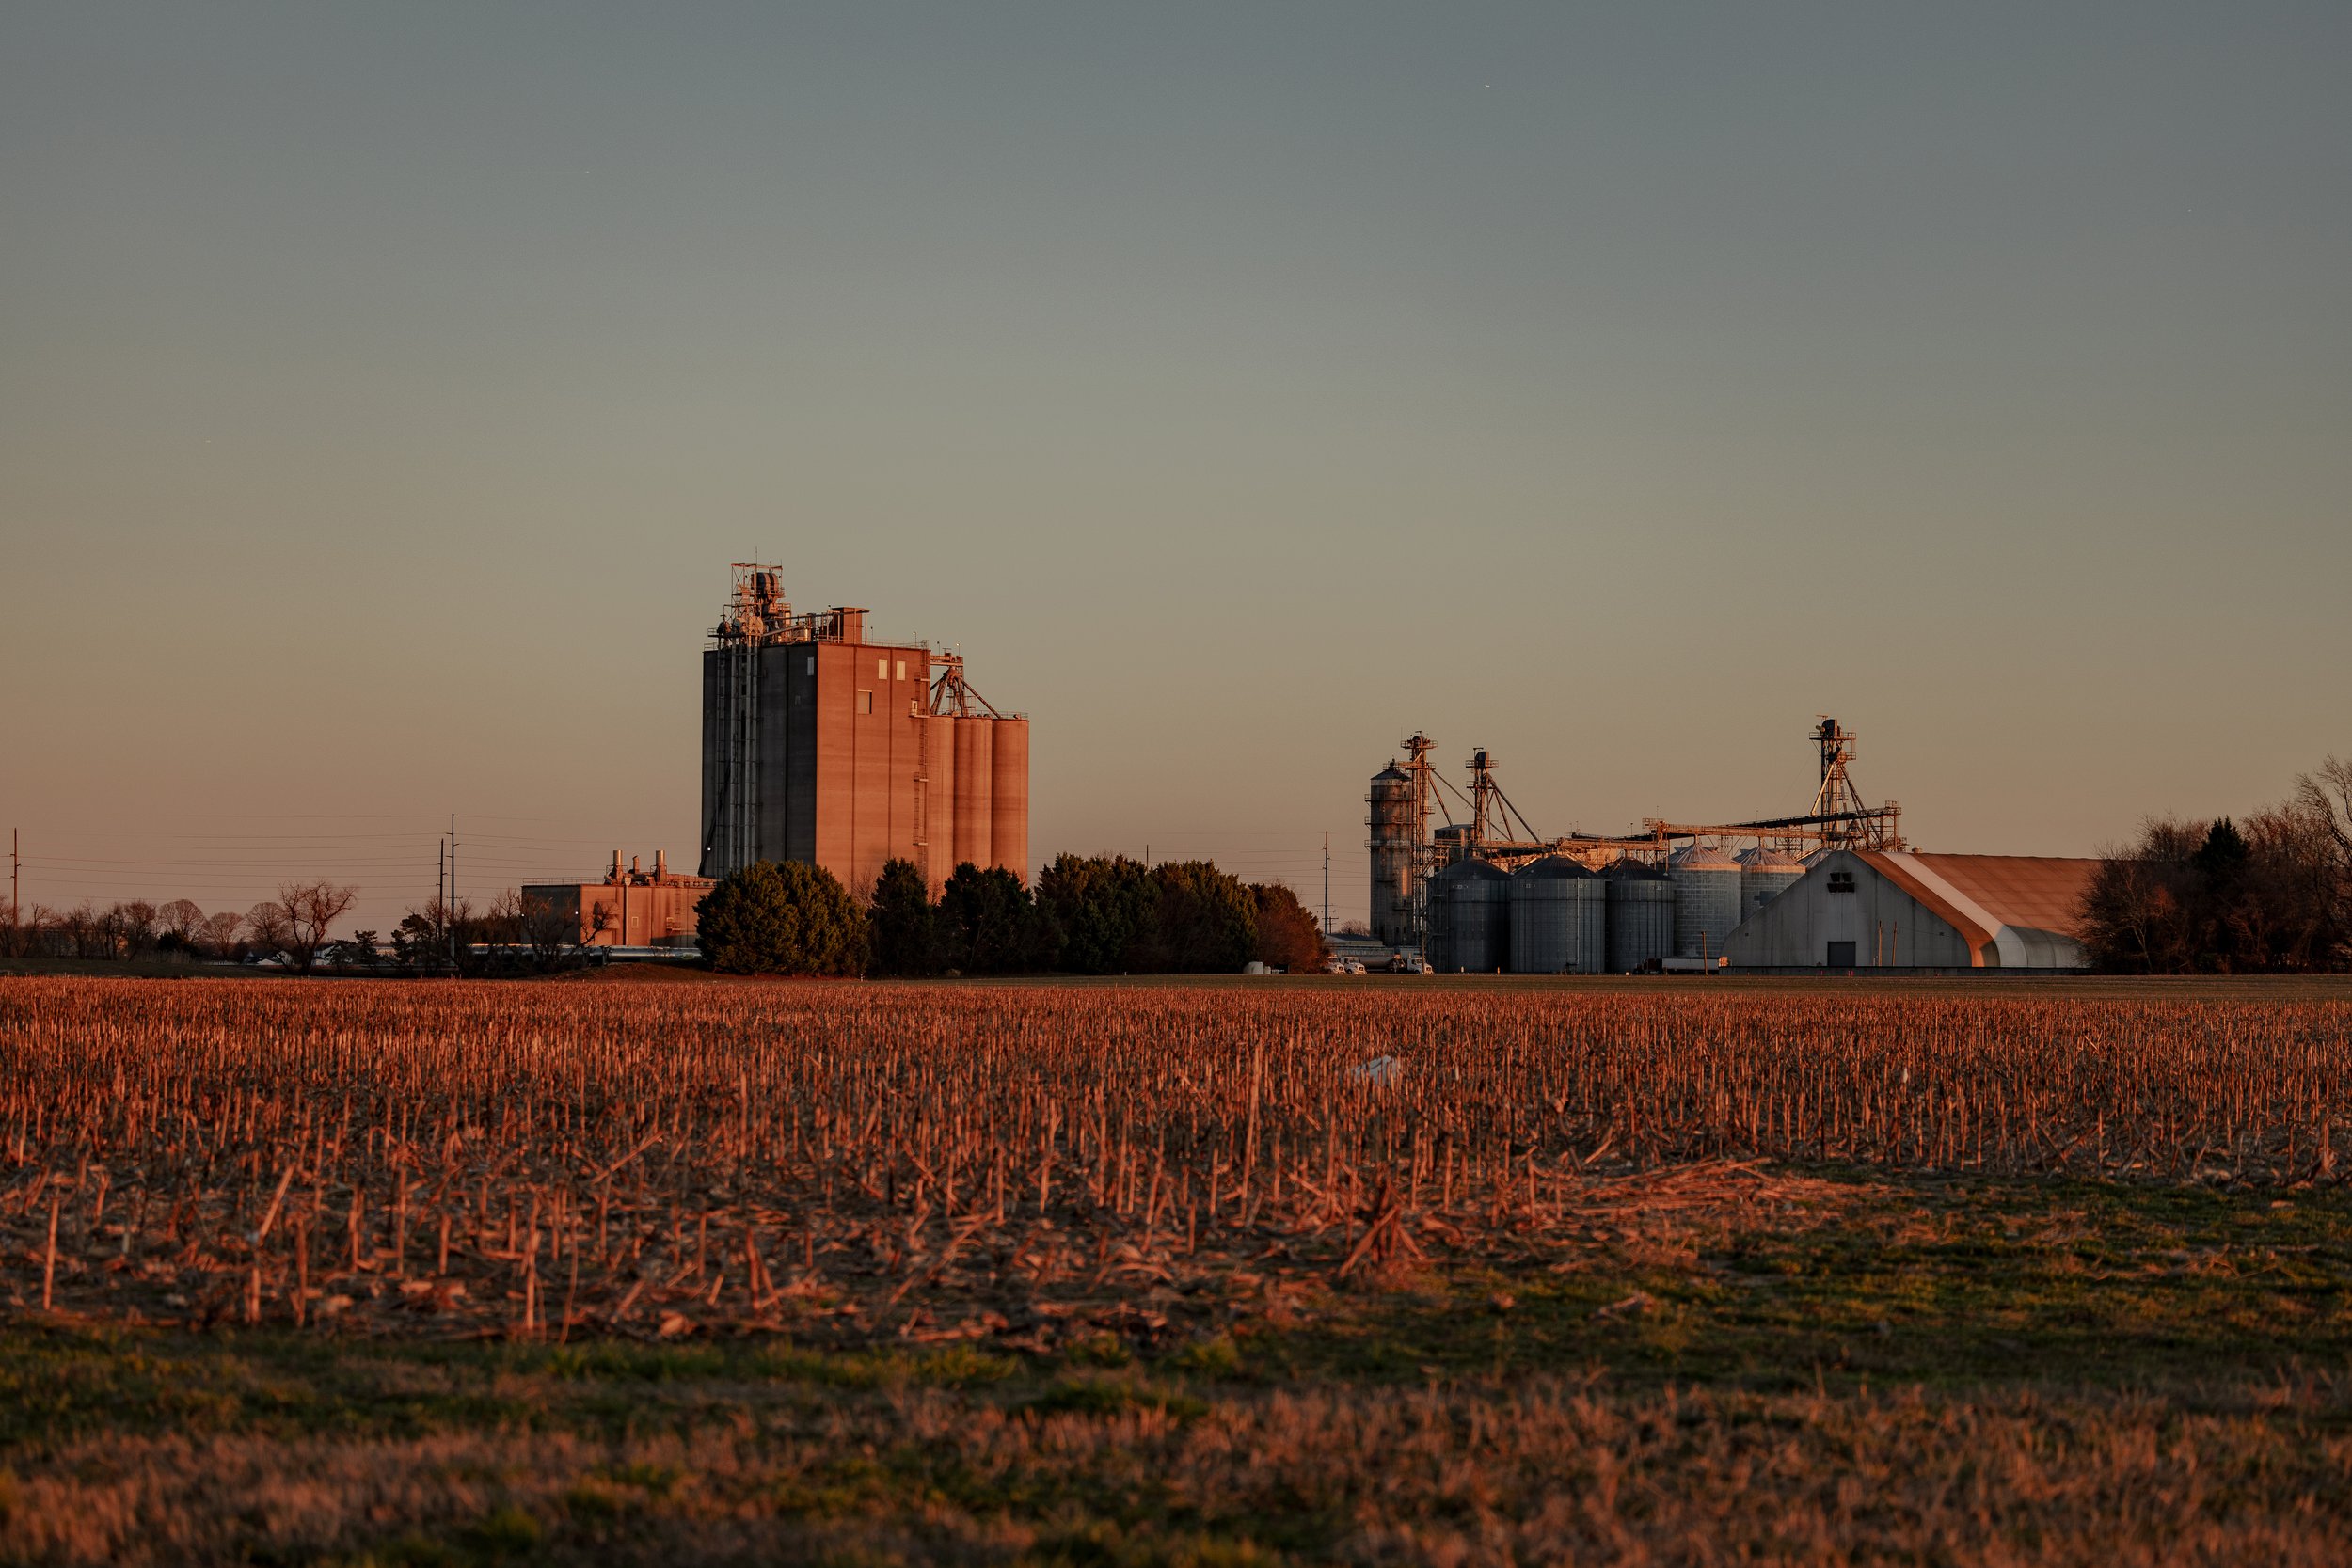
(824, 747)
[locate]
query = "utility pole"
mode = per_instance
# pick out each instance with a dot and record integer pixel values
(16, 899)
(453, 889)
(1327, 882)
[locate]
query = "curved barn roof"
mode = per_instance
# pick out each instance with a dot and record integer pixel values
(2024, 906)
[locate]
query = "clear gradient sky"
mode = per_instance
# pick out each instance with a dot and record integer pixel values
(385, 388)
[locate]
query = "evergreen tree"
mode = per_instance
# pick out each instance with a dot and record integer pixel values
(2223, 855)
(1207, 921)
(1107, 910)
(782, 917)
(989, 924)
(903, 924)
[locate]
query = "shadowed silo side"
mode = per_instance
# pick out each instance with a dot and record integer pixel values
(1764, 876)
(1641, 915)
(1438, 945)
(974, 758)
(1008, 796)
(1469, 917)
(1557, 913)
(1707, 900)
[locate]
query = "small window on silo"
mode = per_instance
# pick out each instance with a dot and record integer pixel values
(881, 669)
(812, 664)
(902, 669)
(864, 702)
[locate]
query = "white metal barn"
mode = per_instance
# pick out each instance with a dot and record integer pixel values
(1867, 908)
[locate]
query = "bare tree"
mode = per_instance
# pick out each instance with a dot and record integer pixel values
(549, 930)
(308, 908)
(218, 933)
(84, 931)
(44, 933)
(265, 927)
(181, 919)
(2325, 796)
(133, 926)
(2328, 794)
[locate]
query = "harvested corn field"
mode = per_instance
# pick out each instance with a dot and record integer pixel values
(794, 1228)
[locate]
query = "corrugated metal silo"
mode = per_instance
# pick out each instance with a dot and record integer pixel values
(1392, 802)
(1764, 876)
(974, 754)
(1641, 904)
(1469, 917)
(1707, 900)
(1008, 796)
(1558, 914)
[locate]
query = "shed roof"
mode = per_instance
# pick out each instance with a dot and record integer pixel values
(1982, 895)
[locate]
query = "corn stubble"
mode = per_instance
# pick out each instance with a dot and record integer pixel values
(930, 1163)
(1022, 1176)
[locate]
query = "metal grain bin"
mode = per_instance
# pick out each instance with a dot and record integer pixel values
(1558, 919)
(1469, 918)
(1641, 904)
(1707, 900)
(1764, 876)
(1392, 802)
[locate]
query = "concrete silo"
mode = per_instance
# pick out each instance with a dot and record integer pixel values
(1469, 918)
(975, 770)
(939, 800)
(1558, 915)
(1707, 900)
(1764, 876)
(1008, 797)
(1641, 904)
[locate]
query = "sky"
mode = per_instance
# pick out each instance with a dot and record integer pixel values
(385, 390)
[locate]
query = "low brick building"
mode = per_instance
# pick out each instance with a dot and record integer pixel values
(635, 907)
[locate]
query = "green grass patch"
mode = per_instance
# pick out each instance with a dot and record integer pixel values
(1105, 1395)
(1952, 1285)
(1948, 1284)
(961, 1366)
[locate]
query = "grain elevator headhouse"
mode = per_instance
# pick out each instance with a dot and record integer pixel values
(822, 746)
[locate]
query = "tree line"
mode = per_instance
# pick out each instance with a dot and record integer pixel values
(1099, 914)
(511, 935)
(1090, 915)
(2268, 895)
(293, 926)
